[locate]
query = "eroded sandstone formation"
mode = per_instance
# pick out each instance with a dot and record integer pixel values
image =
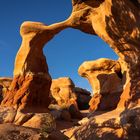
(104, 75)
(5, 83)
(62, 92)
(116, 22)
(29, 90)
(66, 99)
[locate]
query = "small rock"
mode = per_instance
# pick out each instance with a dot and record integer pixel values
(43, 121)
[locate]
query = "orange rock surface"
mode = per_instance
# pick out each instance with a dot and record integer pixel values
(114, 21)
(62, 92)
(103, 75)
(29, 90)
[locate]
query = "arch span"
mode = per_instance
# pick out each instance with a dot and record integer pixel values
(111, 25)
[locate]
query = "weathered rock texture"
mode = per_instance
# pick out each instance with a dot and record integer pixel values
(5, 81)
(62, 92)
(64, 98)
(104, 75)
(44, 122)
(117, 23)
(13, 132)
(30, 87)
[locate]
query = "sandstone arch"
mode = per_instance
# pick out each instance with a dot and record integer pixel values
(117, 23)
(106, 18)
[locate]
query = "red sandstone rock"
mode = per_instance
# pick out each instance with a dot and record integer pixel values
(30, 87)
(117, 23)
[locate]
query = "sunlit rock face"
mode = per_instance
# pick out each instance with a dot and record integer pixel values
(62, 90)
(103, 75)
(68, 99)
(29, 90)
(31, 79)
(117, 23)
(64, 94)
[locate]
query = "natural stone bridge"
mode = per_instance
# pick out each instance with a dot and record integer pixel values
(116, 22)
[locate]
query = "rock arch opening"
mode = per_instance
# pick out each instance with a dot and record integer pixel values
(122, 38)
(68, 50)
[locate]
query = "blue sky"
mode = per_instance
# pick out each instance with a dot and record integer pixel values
(64, 53)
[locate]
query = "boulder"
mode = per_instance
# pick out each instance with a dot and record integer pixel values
(43, 121)
(15, 132)
(65, 98)
(104, 77)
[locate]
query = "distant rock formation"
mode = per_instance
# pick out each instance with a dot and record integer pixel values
(103, 75)
(65, 93)
(67, 99)
(62, 92)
